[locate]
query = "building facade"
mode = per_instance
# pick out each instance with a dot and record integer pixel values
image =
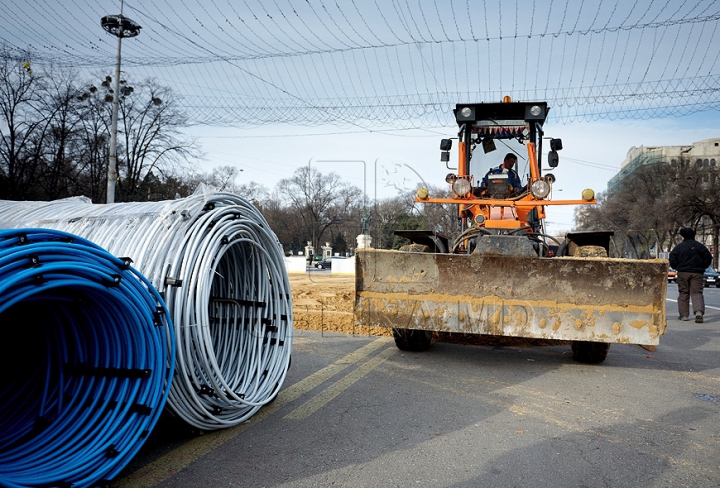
(701, 154)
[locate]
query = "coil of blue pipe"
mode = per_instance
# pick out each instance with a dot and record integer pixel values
(89, 357)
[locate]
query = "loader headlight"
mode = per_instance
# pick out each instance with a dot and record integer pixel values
(540, 188)
(479, 219)
(461, 187)
(465, 114)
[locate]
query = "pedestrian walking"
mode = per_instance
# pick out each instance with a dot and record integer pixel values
(690, 259)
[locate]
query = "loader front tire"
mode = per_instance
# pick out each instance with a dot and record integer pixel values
(413, 340)
(590, 352)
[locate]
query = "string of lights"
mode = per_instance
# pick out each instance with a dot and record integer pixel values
(393, 65)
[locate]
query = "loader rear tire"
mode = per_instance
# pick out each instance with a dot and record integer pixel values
(413, 340)
(590, 352)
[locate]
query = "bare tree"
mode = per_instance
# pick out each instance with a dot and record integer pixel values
(318, 201)
(60, 143)
(150, 122)
(21, 125)
(653, 202)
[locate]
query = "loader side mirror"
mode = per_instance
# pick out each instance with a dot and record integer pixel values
(553, 159)
(556, 144)
(446, 144)
(444, 156)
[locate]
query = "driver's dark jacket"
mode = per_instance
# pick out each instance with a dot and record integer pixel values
(690, 256)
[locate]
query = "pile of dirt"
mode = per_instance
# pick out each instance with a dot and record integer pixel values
(324, 302)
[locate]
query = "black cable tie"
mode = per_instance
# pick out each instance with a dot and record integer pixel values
(245, 303)
(265, 321)
(85, 370)
(281, 343)
(224, 240)
(112, 452)
(39, 279)
(169, 281)
(271, 328)
(283, 317)
(141, 409)
(216, 410)
(209, 206)
(206, 390)
(34, 260)
(23, 238)
(126, 262)
(157, 319)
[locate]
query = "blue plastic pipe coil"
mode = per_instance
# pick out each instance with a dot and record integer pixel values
(89, 356)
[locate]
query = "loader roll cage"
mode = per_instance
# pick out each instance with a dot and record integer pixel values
(480, 125)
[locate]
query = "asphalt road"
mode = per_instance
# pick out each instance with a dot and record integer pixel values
(355, 411)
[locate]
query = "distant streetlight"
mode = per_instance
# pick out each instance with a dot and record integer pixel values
(119, 26)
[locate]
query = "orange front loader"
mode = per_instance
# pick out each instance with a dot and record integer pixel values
(503, 275)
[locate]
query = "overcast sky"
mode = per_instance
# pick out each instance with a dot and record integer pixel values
(273, 85)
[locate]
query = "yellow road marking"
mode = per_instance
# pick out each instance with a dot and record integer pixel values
(318, 401)
(183, 456)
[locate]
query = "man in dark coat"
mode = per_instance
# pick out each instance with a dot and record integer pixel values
(690, 259)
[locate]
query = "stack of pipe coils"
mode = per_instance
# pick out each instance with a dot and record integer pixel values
(220, 270)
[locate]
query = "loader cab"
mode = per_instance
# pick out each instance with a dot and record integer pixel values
(498, 173)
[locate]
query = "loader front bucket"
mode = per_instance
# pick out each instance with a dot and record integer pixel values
(577, 299)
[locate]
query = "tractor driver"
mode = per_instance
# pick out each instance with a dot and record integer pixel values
(516, 186)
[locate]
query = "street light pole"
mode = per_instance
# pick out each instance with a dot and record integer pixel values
(119, 26)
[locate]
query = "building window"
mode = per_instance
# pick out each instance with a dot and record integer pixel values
(698, 163)
(706, 163)
(712, 162)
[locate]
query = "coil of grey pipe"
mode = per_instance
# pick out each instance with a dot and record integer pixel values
(220, 269)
